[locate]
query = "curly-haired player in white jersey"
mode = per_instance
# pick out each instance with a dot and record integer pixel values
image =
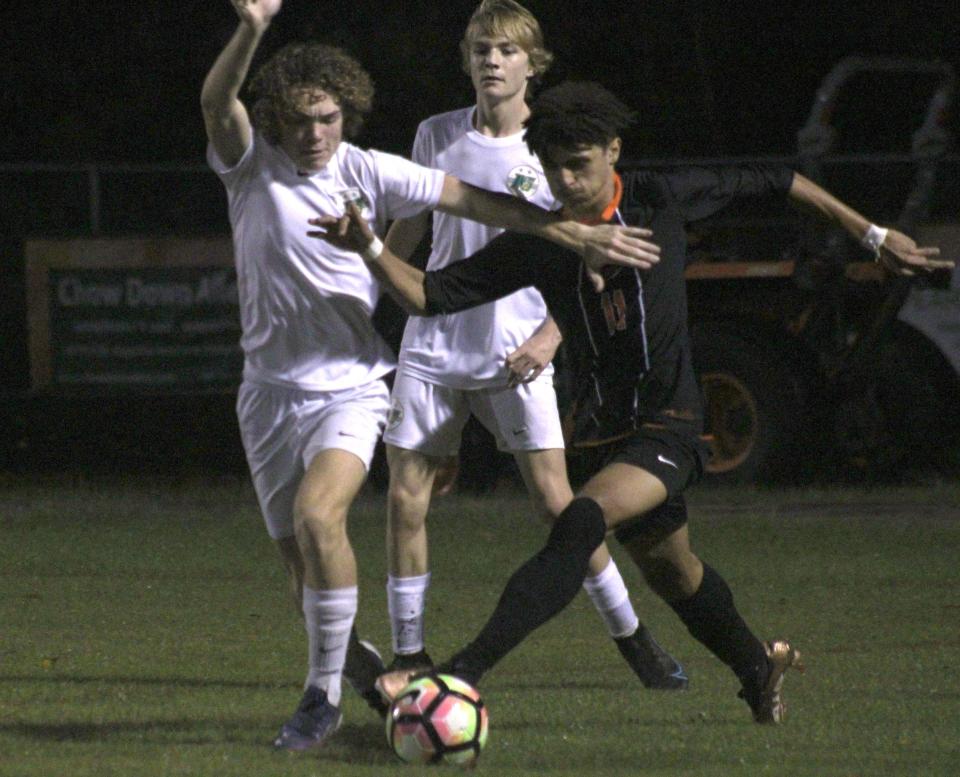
(494, 360)
(313, 403)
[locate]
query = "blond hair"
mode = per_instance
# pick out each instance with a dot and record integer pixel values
(510, 20)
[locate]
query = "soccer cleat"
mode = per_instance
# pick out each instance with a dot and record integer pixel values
(655, 667)
(390, 684)
(420, 661)
(361, 670)
(311, 725)
(403, 668)
(767, 705)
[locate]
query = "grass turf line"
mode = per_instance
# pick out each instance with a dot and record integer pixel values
(145, 630)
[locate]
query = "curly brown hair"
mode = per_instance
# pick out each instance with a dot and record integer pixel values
(310, 65)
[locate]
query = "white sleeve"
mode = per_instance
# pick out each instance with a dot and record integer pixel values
(230, 174)
(406, 188)
(423, 152)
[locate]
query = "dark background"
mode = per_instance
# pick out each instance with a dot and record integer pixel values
(118, 80)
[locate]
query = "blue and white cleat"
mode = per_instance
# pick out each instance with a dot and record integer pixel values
(655, 667)
(314, 722)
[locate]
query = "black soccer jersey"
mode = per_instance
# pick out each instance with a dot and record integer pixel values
(628, 346)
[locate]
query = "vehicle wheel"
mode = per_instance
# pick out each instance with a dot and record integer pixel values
(751, 407)
(919, 393)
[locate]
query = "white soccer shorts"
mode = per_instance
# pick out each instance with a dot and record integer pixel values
(429, 418)
(283, 429)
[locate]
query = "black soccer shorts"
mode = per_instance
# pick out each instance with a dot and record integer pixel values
(676, 456)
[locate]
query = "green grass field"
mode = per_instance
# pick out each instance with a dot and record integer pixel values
(145, 630)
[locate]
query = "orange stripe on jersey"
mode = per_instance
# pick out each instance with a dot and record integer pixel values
(612, 206)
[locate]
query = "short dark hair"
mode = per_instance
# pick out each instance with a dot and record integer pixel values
(575, 113)
(316, 65)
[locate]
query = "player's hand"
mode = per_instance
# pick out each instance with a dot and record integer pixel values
(256, 13)
(349, 232)
(900, 255)
(529, 360)
(607, 244)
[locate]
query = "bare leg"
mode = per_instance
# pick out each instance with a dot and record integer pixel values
(408, 501)
(412, 476)
(293, 564)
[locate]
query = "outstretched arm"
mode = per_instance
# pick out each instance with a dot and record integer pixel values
(897, 252)
(599, 245)
(403, 281)
(405, 235)
(225, 117)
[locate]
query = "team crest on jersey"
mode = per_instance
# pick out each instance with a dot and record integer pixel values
(523, 181)
(395, 415)
(354, 195)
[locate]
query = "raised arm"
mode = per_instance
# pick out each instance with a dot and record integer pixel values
(599, 245)
(225, 117)
(897, 252)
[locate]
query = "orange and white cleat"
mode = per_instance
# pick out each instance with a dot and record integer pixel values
(768, 706)
(390, 684)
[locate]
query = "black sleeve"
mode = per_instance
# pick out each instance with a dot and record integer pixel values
(702, 191)
(507, 263)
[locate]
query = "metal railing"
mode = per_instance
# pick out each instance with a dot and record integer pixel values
(97, 199)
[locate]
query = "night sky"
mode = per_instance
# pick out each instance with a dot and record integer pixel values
(119, 80)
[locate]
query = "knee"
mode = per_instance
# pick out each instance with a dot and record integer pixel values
(579, 526)
(318, 522)
(407, 505)
(545, 509)
(550, 500)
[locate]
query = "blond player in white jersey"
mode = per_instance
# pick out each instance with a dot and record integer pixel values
(492, 361)
(313, 403)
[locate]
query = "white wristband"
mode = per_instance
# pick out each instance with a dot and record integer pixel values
(873, 238)
(373, 250)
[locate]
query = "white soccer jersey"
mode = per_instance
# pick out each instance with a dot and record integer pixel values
(467, 350)
(305, 306)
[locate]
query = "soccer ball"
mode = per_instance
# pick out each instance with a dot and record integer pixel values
(437, 718)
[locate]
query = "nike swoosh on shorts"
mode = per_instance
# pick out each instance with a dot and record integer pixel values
(664, 460)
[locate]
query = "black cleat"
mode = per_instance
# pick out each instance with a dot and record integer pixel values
(419, 662)
(461, 667)
(361, 670)
(655, 667)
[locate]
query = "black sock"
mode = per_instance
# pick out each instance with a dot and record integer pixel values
(538, 590)
(711, 617)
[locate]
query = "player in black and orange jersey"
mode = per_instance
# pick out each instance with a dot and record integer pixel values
(639, 409)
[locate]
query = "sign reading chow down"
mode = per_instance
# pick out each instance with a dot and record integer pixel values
(133, 315)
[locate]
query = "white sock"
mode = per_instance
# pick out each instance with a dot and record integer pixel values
(328, 617)
(609, 595)
(406, 601)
